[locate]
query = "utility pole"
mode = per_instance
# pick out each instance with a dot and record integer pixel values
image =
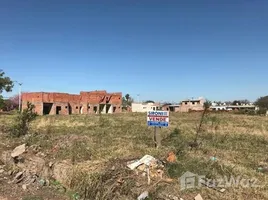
(138, 98)
(20, 84)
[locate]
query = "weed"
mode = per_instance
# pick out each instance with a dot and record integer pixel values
(77, 151)
(22, 123)
(55, 183)
(103, 185)
(33, 198)
(208, 168)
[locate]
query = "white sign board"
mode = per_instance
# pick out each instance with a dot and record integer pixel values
(158, 118)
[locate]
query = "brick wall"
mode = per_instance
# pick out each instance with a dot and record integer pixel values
(64, 103)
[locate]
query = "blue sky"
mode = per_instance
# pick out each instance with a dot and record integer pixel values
(162, 50)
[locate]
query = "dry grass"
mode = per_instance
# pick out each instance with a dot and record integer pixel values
(239, 143)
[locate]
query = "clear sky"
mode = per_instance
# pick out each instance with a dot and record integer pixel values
(163, 50)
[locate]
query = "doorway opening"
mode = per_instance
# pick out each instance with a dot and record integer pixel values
(108, 108)
(102, 108)
(95, 109)
(47, 108)
(70, 109)
(58, 109)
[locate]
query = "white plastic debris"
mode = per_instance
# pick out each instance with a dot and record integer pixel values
(146, 160)
(143, 195)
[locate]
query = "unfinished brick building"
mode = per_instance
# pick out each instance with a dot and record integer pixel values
(93, 102)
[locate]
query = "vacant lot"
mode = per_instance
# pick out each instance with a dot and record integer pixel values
(97, 149)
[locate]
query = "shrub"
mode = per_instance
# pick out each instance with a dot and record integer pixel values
(22, 123)
(261, 111)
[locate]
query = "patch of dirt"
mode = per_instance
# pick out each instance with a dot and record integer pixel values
(10, 190)
(26, 177)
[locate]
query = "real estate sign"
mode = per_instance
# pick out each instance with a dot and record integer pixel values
(158, 118)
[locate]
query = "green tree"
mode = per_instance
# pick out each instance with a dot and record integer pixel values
(236, 102)
(2, 102)
(127, 100)
(262, 103)
(6, 84)
(127, 97)
(240, 102)
(149, 101)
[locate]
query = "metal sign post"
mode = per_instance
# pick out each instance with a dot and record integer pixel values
(157, 119)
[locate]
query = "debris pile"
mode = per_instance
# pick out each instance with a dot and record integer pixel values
(24, 167)
(31, 171)
(148, 166)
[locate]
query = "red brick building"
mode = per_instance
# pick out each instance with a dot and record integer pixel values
(92, 102)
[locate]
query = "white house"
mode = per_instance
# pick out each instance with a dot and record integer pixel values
(143, 107)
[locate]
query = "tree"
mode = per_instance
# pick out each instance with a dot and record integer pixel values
(244, 101)
(127, 96)
(127, 100)
(149, 101)
(236, 102)
(166, 103)
(262, 103)
(2, 103)
(228, 103)
(5, 105)
(10, 104)
(5, 85)
(14, 102)
(240, 102)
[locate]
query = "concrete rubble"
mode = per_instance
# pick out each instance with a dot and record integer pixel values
(143, 195)
(18, 175)
(29, 171)
(24, 187)
(148, 166)
(18, 151)
(198, 197)
(6, 157)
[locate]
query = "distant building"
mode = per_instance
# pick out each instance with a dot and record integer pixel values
(233, 107)
(192, 105)
(218, 107)
(171, 107)
(144, 107)
(241, 107)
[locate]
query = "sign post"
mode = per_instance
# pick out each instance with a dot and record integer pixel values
(157, 119)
